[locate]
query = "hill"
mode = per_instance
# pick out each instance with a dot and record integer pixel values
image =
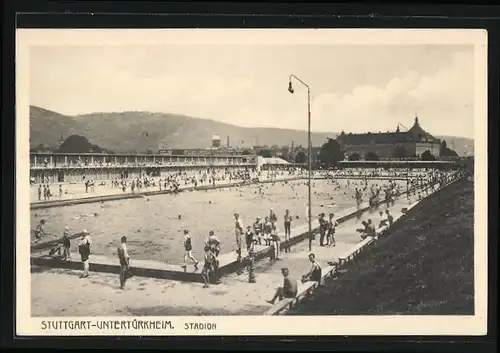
(126, 132)
(425, 265)
(140, 131)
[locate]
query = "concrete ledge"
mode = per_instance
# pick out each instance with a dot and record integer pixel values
(145, 268)
(136, 195)
(304, 290)
(353, 252)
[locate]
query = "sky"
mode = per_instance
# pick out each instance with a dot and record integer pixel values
(354, 88)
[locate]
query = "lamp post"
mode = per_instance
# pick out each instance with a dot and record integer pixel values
(309, 211)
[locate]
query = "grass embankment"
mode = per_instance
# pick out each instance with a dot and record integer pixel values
(424, 265)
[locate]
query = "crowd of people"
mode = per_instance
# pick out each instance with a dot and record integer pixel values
(109, 161)
(262, 231)
(175, 179)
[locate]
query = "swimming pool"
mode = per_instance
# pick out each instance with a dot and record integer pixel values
(154, 225)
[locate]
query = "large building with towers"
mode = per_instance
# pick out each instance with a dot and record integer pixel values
(387, 145)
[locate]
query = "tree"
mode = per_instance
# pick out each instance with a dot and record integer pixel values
(354, 157)
(149, 151)
(444, 151)
(448, 152)
(427, 156)
(330, 153)
(399, 152)
(246, 152)
(284, 151)
(372, 156)
(265, 153)
(40, 148)
(300, 157)
(77, 144)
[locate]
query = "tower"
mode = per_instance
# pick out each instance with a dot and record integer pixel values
(215, 141)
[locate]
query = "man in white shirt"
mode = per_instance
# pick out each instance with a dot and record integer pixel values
(124, 258)
(84, 250)
(238, 232)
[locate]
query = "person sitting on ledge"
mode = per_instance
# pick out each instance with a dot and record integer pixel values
(314, 273)
(383, 219)
(390, 218)
(362, 230)
(368, 230)
(289, 289)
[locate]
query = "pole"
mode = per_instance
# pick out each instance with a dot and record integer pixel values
(309, 153)
(309, 164)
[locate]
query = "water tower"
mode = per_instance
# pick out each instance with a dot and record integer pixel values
(215, 141)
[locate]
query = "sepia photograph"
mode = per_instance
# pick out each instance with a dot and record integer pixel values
(251, 182)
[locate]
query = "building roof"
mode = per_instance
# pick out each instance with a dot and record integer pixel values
(274, 161)
(415, 134)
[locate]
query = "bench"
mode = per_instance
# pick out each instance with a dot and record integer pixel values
(303, 291)
(328, 271)
(279, 307)
(348, 255)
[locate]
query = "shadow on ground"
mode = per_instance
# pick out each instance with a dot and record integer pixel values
(194, 311)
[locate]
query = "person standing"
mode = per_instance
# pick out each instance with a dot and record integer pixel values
(66, 245)
(188, 248)
(257, 230)
(267, 228)
(272, 216)
(249, 238)
(40, 192)
(84, 250)
(332, 225)
(323, 225)
(238, 232)
(251, 259)
(213, 243)
(208, 269)
(276, 242)
(288, 225)
(124, 259)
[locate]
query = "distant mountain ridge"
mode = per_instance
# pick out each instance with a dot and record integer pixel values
(139, 131)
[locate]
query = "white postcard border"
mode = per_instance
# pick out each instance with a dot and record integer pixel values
(251, 325)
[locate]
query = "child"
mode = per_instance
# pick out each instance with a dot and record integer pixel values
(213, 243)
(66, 243)
(276, 241)
(267, 231)
(257, 229)
(207, 265)
(332, 224)
(323, 226)
(249, 237)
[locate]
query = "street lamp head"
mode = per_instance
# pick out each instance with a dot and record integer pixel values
(290, 88)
